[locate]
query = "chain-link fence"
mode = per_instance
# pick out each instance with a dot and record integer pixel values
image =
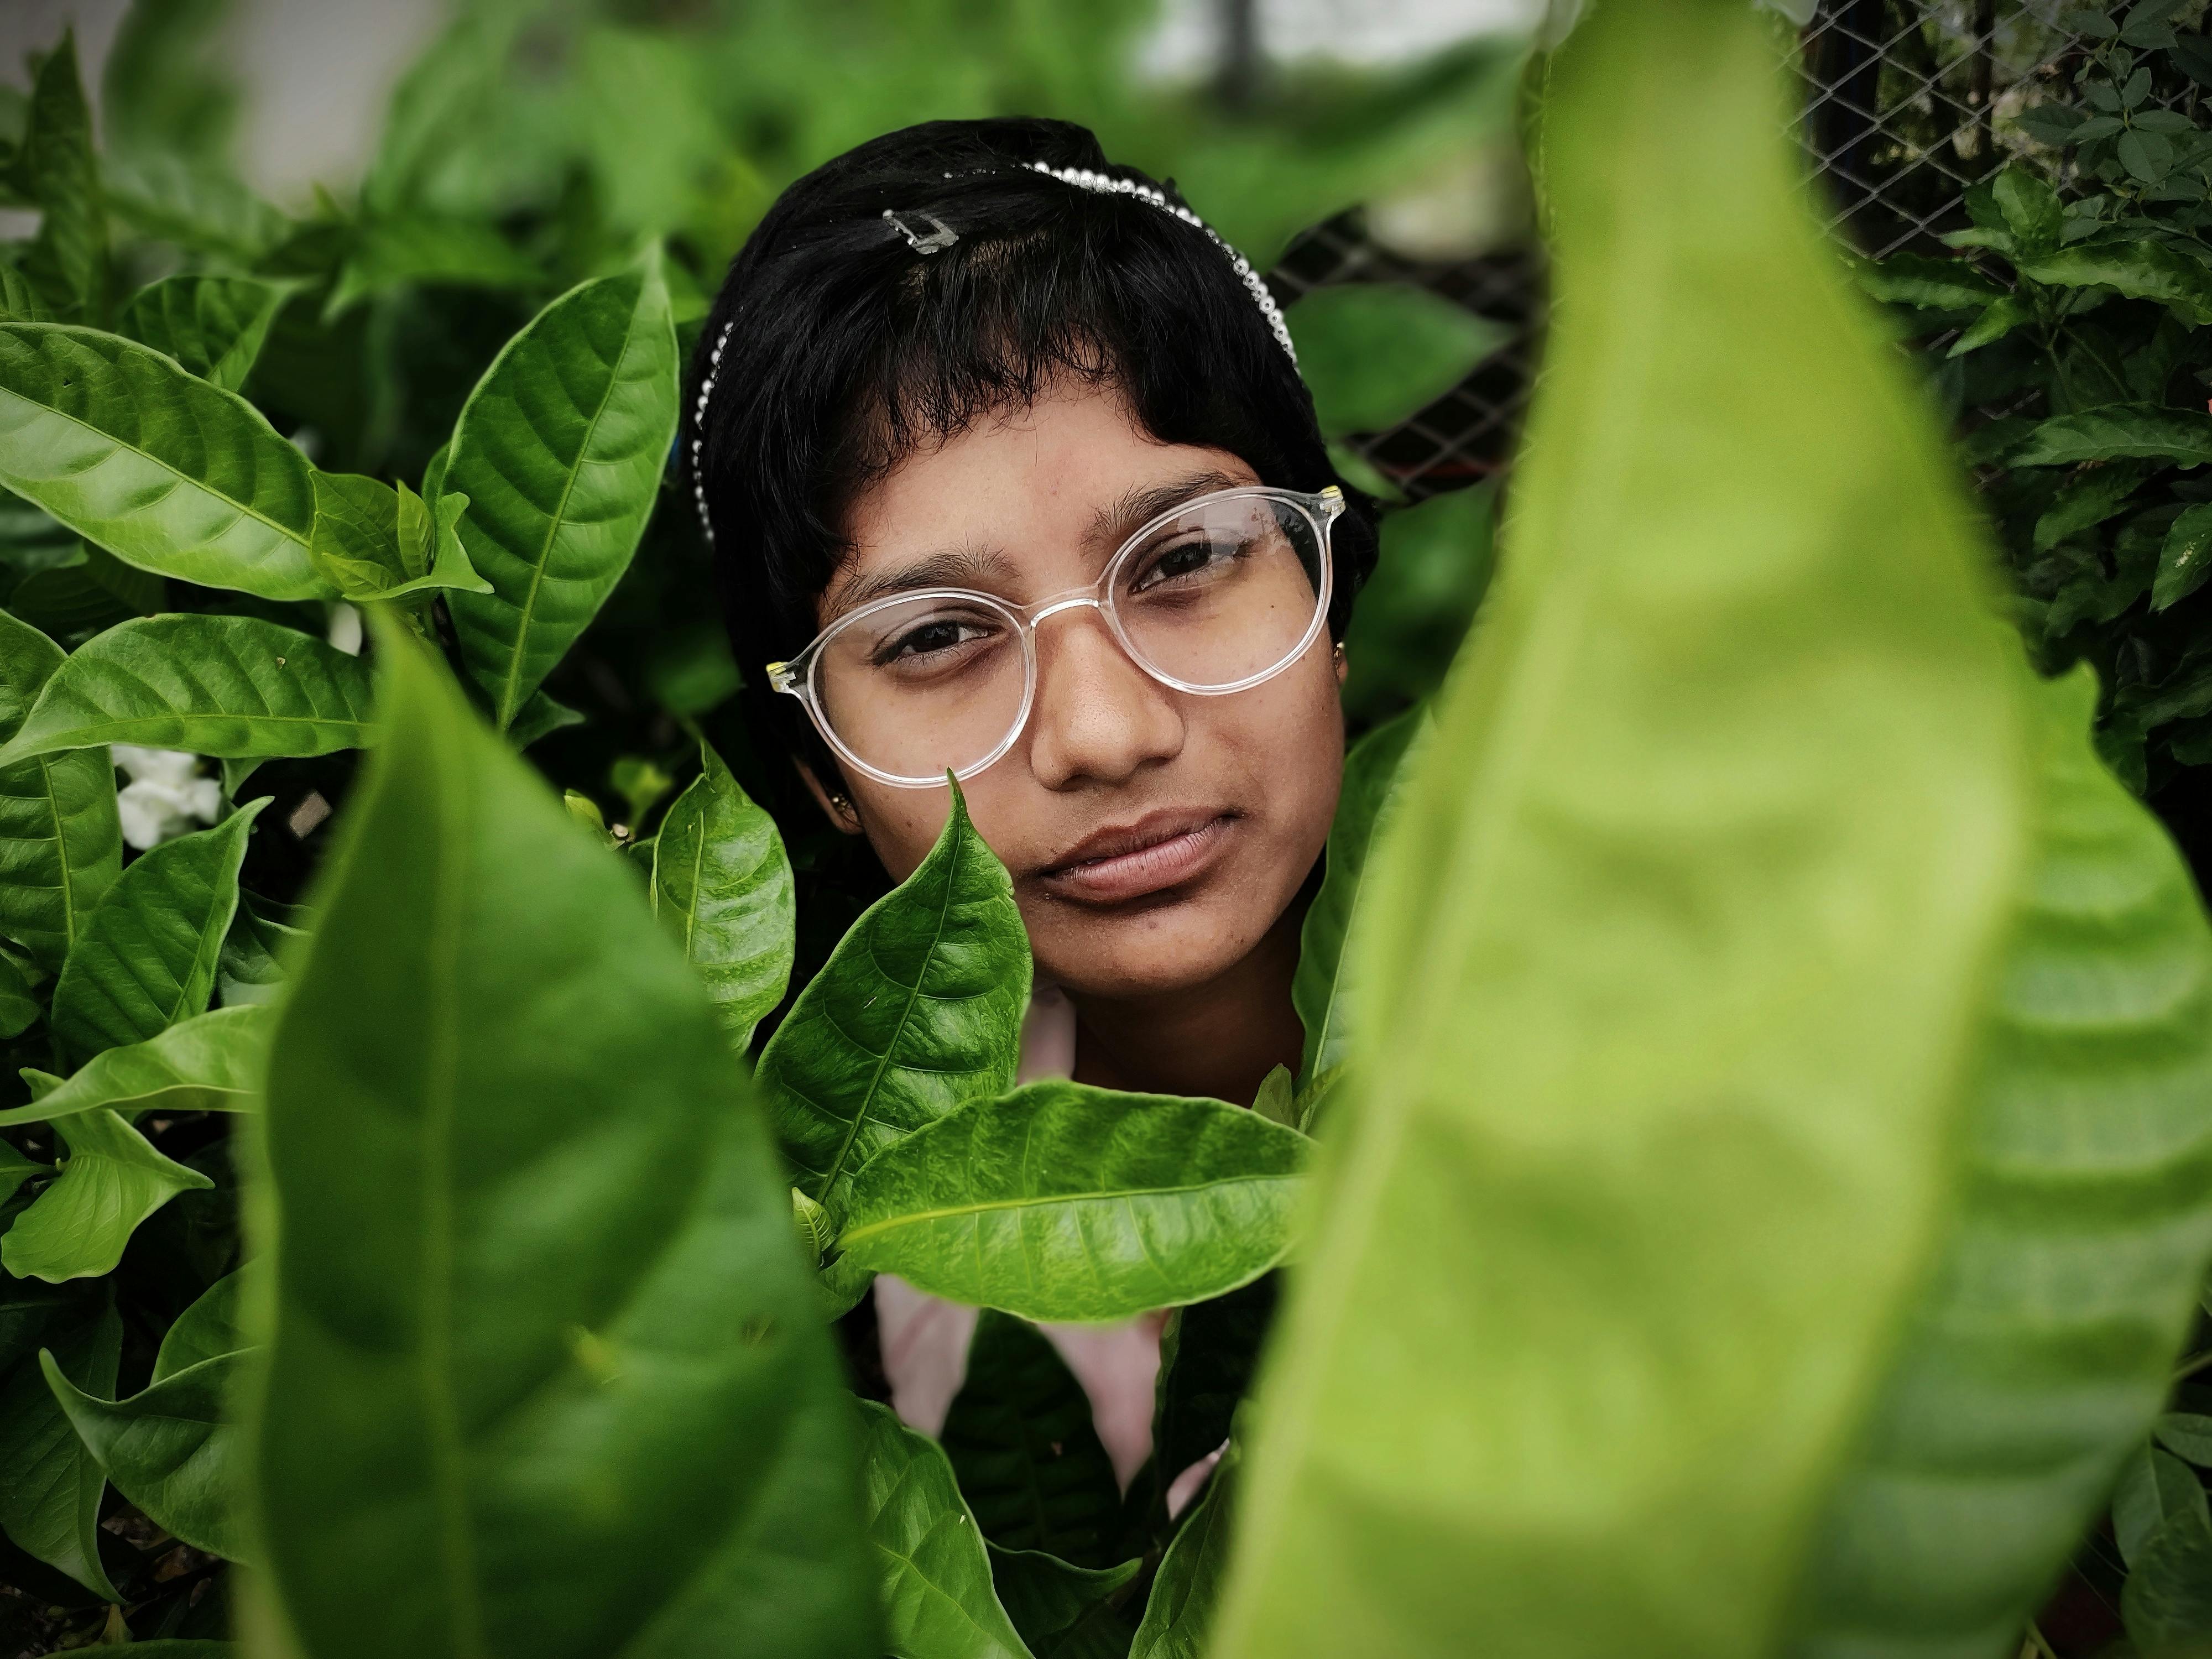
(1907, 105)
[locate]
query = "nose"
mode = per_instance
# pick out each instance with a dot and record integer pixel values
(1098, 718)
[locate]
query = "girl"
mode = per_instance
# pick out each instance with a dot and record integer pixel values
(1010, 473)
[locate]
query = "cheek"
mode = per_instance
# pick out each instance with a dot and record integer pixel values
(1290, 738)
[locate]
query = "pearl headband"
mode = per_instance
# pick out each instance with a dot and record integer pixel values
(1083, 179)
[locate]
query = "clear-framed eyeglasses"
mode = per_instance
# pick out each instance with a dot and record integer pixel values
(1219, 595)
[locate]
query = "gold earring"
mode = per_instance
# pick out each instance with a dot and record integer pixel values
(1339, 654)
(842, 804)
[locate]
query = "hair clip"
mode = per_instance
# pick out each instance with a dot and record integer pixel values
(943, 237)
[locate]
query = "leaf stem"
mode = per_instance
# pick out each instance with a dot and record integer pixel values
(2190, 1366)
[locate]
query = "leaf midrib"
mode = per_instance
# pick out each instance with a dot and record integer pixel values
(952, 1212)
(201, 484)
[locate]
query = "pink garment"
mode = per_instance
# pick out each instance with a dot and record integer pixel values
(924, 1340)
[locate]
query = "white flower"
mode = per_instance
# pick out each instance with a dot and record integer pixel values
(166, 797)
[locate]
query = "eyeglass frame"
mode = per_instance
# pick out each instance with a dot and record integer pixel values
(795, 677)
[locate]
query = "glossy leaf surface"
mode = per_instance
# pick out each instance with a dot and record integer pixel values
(560, 451)
(50, 1502)
(558, 1427)
(111, 1180)
(2118, 431)
(210, 1063)
(61, 843)
(148, 957)
(1321, 992)
(19, 1002)
(372, 541)
(169, 1450)
(2041, 1351)
(938, 1598)
(211, 1327)
(214, 325)
(1021, 1443)
(1676, 947)
(1062, 1611)
(164, 470)
(918, 1008)
(1060, 1201)
(235, 687)
(60, 172)
(722, 883)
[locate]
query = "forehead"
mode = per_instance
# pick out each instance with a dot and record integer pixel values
(1028, 494)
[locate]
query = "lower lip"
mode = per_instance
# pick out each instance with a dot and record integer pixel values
(1148, 870)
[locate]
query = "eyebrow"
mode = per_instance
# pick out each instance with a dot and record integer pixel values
(955, 567)
(1114, 523)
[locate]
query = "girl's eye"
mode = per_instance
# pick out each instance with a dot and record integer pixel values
(930, 639)
(1184, 562)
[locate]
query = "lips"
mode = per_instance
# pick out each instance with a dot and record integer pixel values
(1158, 851)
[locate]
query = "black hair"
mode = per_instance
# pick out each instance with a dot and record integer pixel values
(847, 351)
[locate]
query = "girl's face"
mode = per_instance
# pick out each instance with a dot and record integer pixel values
(1153, 836)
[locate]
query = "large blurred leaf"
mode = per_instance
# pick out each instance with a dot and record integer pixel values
(1061, 1201)
(59, 170)
(1675, 952)
(210, 1063)
(722, 882)
(160, 89)
(163, 470)
(169, 1450)
(236, 687)
(111, 1180)
(603, 1420)
(50, 1502)
(1375, 353)
(214, 325)
(61, 843)
(918, 1008)
(2041, 1351)
(1320, 991)
(560, 451)
(147, 958)
(1020, 1440)
(937, 1594)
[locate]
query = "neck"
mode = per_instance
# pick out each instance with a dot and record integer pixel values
(1220, 1039)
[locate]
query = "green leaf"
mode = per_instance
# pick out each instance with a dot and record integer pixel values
(212, 1327)
(2187, 1435)
(1436, 561)
(60, 172)
(19, 302)
(214, 325)
(2167, 1601)
(722, 883)
(2182, 564)
(61, 842)
(82, 595)
(50, 1502)
(1179, 1616)
(560, 450)
(164, 470)
(938, 1599)
(601, 1419)
(250, 966)
(210, 1063)
(169, 1450)
(2135, 266)
(111, 1181)
(1375, 353)
(2001, 319)
(1059, 1611)
(194, 205)
(374, 541)
(1674, 949)
(2181, 435)
(235, 687)
(541, 717)
(919, 1009)
(1020, 1441)
(1208, 1357)
(19, 1003)
(1060, 1201)
(2010, 1406)
(2089, 499)
(1319, 991)
(2153, 1488)
(148, 957)
(394, 253)
(1278, 1098)
(1915, 279)
(2032, 210)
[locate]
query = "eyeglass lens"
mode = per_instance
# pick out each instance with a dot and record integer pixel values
(1213, 597)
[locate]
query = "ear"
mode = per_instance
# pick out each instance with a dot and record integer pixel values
(1342, 664)
(845, 821)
